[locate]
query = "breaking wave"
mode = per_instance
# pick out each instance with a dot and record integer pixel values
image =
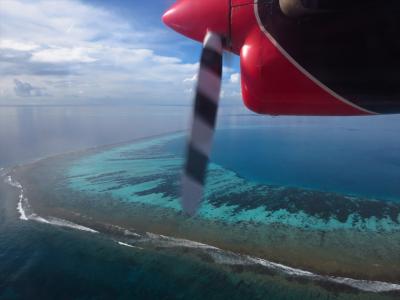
(26, 213)
(224, 257)
(128, 245)
(167, 241)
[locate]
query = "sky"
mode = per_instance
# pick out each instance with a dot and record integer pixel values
(94, 52)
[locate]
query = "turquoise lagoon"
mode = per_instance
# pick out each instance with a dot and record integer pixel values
(294, 196)
(148, 172)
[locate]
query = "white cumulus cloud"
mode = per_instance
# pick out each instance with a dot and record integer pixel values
(101, 56)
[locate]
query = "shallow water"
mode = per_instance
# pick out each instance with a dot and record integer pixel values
(148, 172)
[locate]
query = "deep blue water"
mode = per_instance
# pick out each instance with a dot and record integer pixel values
(349, 160)
(38, 261)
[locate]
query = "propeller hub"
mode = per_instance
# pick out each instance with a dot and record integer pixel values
(193, 18)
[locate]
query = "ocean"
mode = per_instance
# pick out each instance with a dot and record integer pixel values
(104, 222)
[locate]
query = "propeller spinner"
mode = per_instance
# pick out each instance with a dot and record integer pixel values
(194, 18)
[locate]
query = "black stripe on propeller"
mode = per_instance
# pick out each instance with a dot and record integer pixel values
(203, 123)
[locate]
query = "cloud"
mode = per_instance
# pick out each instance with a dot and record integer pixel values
(191, 79)
(234, 78)
(63, 55)
(25, 89)
(18, 46)
(230, 90)
(101, 56)
(100, 53)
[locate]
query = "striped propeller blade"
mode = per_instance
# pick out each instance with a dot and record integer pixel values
(204, 117)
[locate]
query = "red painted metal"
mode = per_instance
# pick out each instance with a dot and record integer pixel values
(193, 18)
(241, 2)
(271, 83)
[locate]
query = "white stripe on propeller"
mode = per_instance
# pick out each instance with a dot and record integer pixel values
(203, 124)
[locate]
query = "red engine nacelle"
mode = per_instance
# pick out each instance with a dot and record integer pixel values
(280, 75)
